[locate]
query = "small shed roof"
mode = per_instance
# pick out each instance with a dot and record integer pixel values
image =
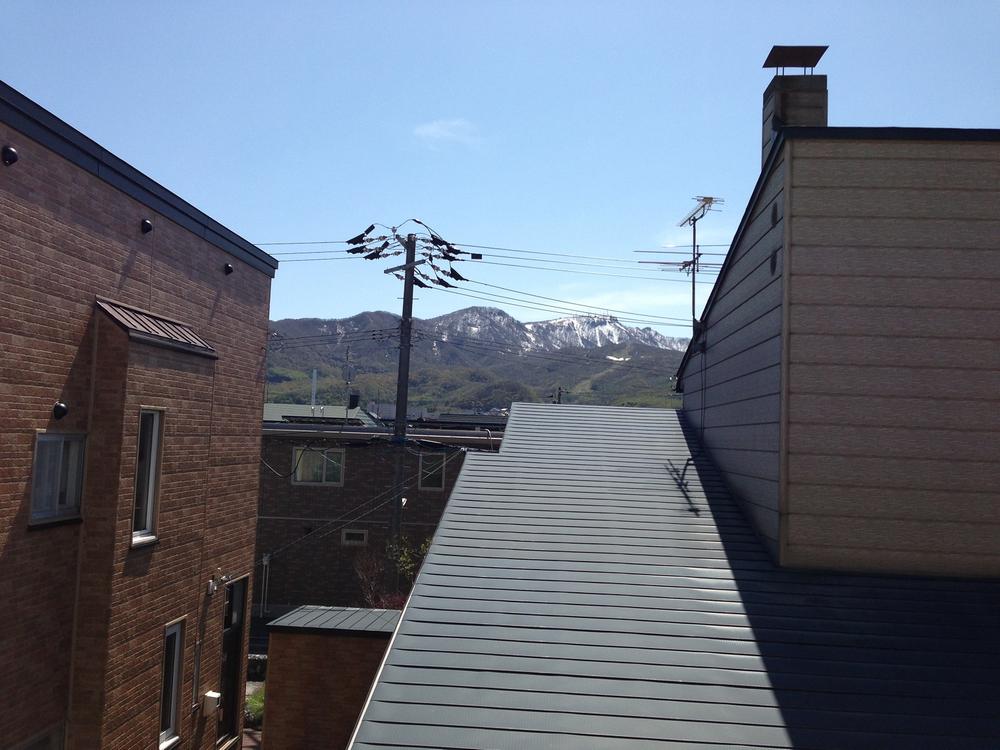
(338, 620)
(158, 330)
(307, 413)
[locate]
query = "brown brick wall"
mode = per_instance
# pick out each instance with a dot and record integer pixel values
(316, 687)
(314, 567)
(65, 238)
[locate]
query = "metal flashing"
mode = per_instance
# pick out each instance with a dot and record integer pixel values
(150, 328)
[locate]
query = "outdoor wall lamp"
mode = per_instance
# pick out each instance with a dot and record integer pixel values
(228, 268)
(9, 155)
(60, 410)
(146, 226)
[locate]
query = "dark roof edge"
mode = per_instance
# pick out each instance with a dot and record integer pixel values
(386, 634)
(776, 146)
(37, 123)
(894, 134)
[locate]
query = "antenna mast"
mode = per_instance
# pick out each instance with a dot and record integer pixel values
(706, 203)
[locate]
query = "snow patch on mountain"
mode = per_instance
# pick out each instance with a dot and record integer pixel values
(491, 325)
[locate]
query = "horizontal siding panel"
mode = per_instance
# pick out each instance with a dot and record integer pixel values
(761, 464)
(902, 203)
(765, 500)
(894, 321)
(759, 436)
(892, 412)
(892, 232)
(764, 382)
(895, 534)
(936, 262)
(874, 502)
(935, 151)
(982, 294)
(907, 562)
(757, 357)
(747, 277)
(891, 350)
(894, 381)
(749, 411)
(900, 173)
(904, 473)
(891, 442)
(752, 333)
(765, 299)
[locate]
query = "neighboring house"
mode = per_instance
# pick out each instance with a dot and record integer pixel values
(132, 335)
(846, 377)
(327, 501)
(611, 577)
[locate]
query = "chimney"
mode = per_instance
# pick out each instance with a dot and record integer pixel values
(793, 100)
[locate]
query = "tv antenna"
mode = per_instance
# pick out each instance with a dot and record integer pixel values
(706, 203)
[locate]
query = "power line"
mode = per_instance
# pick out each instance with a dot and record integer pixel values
(579, 304)
(544, 307)
(586, 273)
(536, 307)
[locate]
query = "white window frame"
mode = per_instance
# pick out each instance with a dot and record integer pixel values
(145, 531)
(326, 462)
(52, 509)
(170, 736)
(363, 542)
(421, 474)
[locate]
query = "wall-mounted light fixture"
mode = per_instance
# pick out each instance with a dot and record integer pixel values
(146, 226)
(60, 410)
(9, 155)
(228, 268)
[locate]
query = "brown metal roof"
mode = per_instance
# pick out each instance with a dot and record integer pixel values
(150, 328)
(794, 57)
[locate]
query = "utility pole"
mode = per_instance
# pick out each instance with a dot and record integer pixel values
(405, 333)
(402, 396)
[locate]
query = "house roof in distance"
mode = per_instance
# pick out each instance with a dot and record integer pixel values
(344, 620)
(307, 414)
(150, 328)
(593, 585)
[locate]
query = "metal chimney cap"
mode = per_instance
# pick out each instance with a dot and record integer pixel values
(794, 57)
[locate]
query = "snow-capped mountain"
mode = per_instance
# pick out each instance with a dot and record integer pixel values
(495, 326)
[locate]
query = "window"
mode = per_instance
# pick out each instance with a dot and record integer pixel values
(316, 466)
(233, 659)
(354, 537)
(147, 469)
(57, 479)
(432, 471)
(173, 656)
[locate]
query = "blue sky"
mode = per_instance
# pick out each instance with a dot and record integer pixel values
(567, 127)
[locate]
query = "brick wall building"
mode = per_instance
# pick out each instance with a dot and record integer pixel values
(321, 664)
(315, 529)
(132, 331)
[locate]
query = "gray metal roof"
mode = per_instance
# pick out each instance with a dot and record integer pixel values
(338, 620)
(594, 586)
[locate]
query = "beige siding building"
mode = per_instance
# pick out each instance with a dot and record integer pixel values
(846, 379)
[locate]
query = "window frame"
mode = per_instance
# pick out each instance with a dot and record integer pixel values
(148, 532)
(323, 452)
(345, 542)
(38, 517)
(421, 474)
(171, 736)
